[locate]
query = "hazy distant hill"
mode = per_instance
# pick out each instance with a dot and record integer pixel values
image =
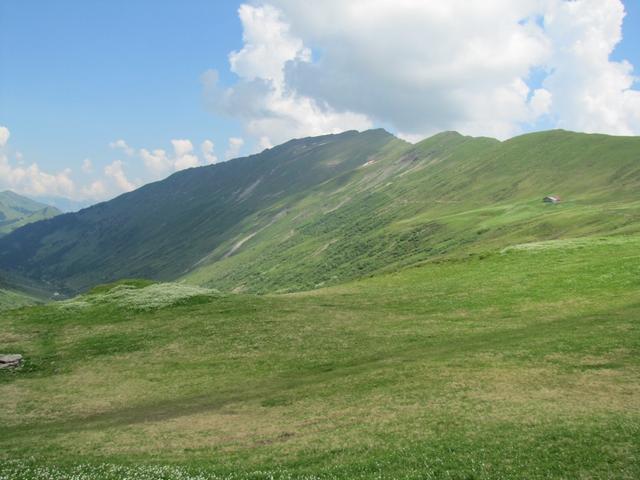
(324, 210)
(16, 211)
(65, 204)
(13, 299)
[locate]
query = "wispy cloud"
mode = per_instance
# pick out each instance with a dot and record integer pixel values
(122, 145)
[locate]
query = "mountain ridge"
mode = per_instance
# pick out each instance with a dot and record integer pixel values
(226, 192)
(323, 210)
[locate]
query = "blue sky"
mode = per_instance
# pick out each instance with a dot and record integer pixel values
(628, 48)
(76, 76)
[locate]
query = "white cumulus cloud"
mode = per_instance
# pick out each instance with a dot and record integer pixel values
(422, 66)
(4, 136)
(182, 147)
(96, 190)
(208, 152)
(31, 179)
(590, 92)
(262, 98)
(233, 150)
(115, 171)
(156, 161)
(184, 157)
(264, 143)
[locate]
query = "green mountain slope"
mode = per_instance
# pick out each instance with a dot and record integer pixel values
(17, 211)
(448, 195)
(164, 229)
(521, 364)
(325, 210)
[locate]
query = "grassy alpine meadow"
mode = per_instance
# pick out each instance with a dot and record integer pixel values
(522, 362)
(448, 194)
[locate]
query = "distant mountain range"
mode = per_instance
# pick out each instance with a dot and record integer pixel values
(63, 204)
(323, 210)
(16, 211)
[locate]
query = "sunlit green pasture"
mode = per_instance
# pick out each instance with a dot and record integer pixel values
(520, 363)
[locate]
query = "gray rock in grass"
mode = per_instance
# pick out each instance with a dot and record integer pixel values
(10, 360)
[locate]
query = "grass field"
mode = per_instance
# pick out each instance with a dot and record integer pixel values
(519, 363)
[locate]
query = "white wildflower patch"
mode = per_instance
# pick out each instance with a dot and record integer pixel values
(28, 470)
(151, 297)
